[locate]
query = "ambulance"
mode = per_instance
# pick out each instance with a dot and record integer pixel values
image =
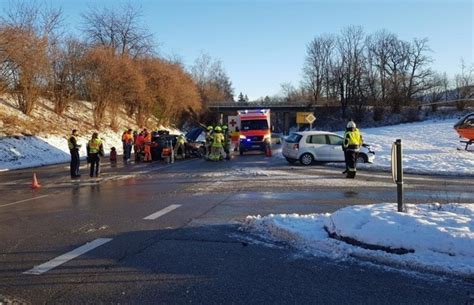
(255, 131)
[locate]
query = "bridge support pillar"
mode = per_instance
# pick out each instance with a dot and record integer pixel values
(287, 123)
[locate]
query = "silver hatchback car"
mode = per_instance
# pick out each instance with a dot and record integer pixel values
(319, 146)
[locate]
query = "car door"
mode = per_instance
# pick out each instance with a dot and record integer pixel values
(318, 146)
(335, 151)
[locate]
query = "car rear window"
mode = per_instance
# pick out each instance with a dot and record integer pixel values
(293, 138)
(316, 139)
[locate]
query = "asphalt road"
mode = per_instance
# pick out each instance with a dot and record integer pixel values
(169, 234)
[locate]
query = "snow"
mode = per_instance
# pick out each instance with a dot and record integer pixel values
(429, 147)
(30, 151)
(441, 236)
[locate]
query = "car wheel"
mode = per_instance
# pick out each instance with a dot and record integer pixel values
(291, 161)
(306, 159)
(362, 158)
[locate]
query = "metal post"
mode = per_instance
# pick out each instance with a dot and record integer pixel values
(399, 166)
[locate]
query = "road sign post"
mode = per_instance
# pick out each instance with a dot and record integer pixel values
(397, 172)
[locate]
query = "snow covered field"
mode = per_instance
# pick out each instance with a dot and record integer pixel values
(429, 147)
(440, 238)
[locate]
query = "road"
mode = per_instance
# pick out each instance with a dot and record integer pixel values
(169, 234)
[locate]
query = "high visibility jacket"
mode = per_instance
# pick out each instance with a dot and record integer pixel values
(147, 139)
(352, 139)
(95, 146)
(235, 136)
(217, 140)
(72, 143)
(209, 137)
(127, 138)
(181, 140)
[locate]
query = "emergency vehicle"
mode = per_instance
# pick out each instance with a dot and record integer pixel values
(255, 131)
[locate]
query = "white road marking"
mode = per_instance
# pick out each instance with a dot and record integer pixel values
(162, 212)
(55, 262)
(25, 200)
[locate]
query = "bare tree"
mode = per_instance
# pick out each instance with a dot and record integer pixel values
(317, 67)
(119, 28)
(212, 81)
(65, 73)
(464, 82)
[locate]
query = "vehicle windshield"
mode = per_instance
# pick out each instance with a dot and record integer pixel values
(254, 125)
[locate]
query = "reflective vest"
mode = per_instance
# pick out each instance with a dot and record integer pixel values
(72, 142)
(352, 139)
(217, 139)
(94, 146)
(181, 140)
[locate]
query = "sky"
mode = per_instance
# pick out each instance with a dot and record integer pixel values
(262, 43)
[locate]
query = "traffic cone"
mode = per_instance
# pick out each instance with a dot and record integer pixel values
(35, 184)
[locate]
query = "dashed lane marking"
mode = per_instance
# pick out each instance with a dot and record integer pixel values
(55, 262)
(162, 212)
(25, 200)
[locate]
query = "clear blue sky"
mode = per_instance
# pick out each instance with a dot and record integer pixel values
(262, 43)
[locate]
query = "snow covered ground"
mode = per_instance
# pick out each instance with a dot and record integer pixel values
(441, 237)
(429, 147)
(29, 151)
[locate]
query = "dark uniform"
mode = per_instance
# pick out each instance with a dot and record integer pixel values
(74, 150)
(352, 143)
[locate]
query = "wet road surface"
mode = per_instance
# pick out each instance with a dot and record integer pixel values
(168, 234)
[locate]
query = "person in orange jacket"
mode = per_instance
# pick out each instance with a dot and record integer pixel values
(147, 143)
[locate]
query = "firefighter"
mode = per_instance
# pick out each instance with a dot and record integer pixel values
(147, 145)
(74, 150)
(209, 132)
(95, 149)
(227, 142)
(351, 145)
(180, 144)
(217, 150)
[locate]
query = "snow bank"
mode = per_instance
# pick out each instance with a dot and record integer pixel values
(442, 236)
(25, 151)
(429, 147)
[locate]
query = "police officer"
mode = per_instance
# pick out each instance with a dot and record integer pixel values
(351, 145)
(74, 150)
(95, 149)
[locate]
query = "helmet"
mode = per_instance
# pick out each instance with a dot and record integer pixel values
(351, 124)
(210, 128)
(224, 127)
(218, 129)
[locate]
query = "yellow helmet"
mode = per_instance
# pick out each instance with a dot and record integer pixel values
(218, 129)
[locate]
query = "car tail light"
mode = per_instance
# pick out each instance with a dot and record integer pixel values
(296, 146)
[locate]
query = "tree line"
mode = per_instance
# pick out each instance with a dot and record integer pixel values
(378, 71)
(113, 64)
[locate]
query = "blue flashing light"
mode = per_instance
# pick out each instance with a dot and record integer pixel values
(248, 140)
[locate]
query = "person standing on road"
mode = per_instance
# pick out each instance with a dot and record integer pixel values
(209, 132)
(128, 143)
(217, 151)
(180, 144)
(147, 145)
(351, 145)
(74, 150)
(95, 149)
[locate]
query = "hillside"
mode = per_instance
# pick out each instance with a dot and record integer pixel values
(41, 139)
